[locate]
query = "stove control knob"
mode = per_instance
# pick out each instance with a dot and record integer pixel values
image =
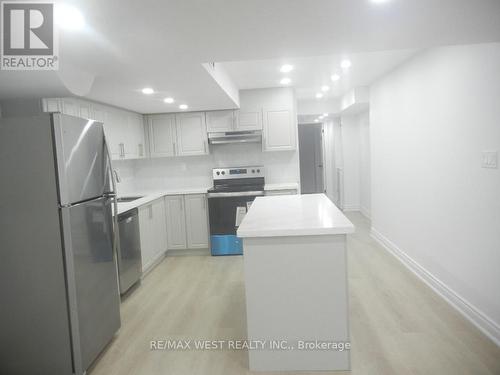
(218, 173)
(258, 170)
(223, 172)
(253, 170)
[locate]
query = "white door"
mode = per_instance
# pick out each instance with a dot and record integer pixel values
(146, 230)
(196, 221)
(220, 121)
(161, 135)
(176, 222)
(279, 130)
(249, 120)
(191, 134)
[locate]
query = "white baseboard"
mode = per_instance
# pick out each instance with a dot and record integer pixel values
(470, 312)
(350, 208)
(153, 263)
(366, 213)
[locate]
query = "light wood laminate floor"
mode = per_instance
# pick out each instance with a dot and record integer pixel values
(398, 325)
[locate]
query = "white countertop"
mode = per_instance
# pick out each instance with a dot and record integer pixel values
(294, 215)
(282, 186)
(149, 196)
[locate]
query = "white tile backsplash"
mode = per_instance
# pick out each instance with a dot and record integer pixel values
(196, 171)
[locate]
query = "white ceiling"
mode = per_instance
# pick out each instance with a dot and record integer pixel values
(311, 73)
(130, 44)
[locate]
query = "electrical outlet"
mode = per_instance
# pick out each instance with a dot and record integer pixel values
(490, 159)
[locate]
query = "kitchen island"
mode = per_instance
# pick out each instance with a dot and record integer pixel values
(294, 251)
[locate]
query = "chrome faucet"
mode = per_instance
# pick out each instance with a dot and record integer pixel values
(117, 176)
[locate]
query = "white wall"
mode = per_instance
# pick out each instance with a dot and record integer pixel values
(364, 164)
(432, 203)
(332, 157)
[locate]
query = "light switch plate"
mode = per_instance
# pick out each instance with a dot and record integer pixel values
(490, 159)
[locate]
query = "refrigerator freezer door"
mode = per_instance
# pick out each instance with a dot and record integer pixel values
(92, 277)
(83, 168)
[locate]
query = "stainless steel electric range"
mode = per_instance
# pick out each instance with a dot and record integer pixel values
(230, 198)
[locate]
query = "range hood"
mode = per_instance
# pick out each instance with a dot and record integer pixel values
(219, 138)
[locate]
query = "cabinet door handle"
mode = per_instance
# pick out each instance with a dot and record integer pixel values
(122, 150)
(173, 145)
(141, 149)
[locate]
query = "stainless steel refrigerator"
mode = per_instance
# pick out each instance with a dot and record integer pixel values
(59, 298)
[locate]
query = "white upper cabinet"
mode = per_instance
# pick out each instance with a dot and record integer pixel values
(124, 129)
(234, 120)
(191, 134)
(71, 107)
(162, 135)
(220, 121)
(196, 221)
(86, 110)
(279, 129)
(115, 128)
(52, 105)
(135, 141)
(249, 120)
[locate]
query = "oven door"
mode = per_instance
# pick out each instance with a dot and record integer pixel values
(226, 210)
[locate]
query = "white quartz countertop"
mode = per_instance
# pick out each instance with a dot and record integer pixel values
(294, 215)
(149, 196)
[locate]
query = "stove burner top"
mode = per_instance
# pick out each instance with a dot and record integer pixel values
(238, 179)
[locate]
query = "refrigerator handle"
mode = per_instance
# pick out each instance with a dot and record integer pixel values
(115, 203)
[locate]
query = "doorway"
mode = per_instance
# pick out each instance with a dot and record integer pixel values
(311, 158)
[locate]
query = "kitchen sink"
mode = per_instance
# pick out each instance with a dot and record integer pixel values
(127, 199)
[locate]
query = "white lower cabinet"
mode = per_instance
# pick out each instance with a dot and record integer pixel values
(153, 232)
(124, 129)
(176, 222)
(196, 221)
(187, 221)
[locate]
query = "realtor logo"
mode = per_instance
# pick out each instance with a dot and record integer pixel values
(28, 36)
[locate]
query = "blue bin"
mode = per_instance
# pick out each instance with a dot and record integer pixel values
(226, 245)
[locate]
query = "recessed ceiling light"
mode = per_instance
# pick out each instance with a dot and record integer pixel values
(148, 91)
(285, 81)
(345, 64)
(183, 106)
(69, 18)
(316, 120)
(335, 77)
(319, 95)
(325, 88)
(325, 114)
(286, 68)
(168, 100)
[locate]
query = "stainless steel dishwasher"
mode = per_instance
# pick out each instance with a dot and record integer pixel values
(129, 251)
